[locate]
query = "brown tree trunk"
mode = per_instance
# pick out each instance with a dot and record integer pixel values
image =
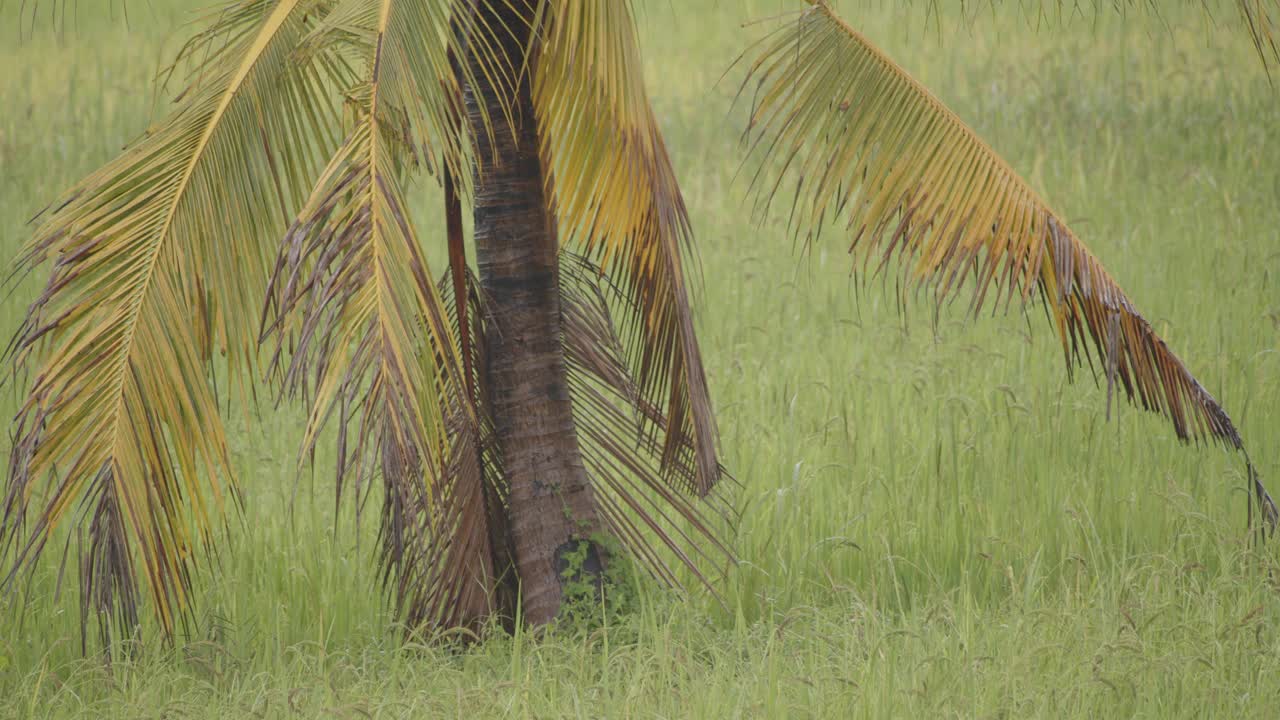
(552, 507)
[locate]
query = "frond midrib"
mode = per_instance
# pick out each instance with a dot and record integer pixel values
(266, 34)
(955, 121)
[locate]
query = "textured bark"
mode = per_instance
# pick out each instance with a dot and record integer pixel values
(551, 504)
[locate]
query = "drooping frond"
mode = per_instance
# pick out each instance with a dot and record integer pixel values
(156, 257)
(1262, 17)
(867, 145)
(420, 84)
(623, 458)
(659, 528)
(616, 197)
(375, 346)
(469, 322)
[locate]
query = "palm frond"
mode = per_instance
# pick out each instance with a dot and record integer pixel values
(420, 84)
(624, 460)
(375, 342)
(155, 258)
(866, 144)
(469, 322)
(616, 198)
(1262, 18)
(660, 529)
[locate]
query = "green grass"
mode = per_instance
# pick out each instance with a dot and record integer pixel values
(937, 524)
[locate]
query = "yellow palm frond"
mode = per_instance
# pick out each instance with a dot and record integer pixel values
(420, 86)
(375, 338)
(868, 145)
(616, 197)
(156, 257)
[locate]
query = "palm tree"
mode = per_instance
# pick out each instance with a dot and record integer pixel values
(520, 422)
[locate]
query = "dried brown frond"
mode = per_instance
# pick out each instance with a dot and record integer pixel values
(374, 343)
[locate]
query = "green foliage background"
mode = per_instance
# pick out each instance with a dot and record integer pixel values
(935, 522)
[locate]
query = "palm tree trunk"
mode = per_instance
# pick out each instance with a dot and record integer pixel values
(552, 506)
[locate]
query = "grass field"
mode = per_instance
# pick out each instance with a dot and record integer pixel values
(936, 523)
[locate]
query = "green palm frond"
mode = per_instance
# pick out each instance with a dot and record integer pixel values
(155, 257)
(374, 338)
(867, 145)
(617, 198)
